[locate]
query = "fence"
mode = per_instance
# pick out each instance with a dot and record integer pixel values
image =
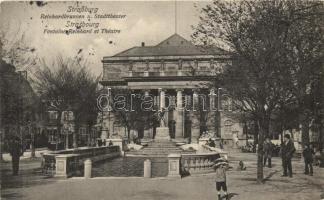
(72, 159)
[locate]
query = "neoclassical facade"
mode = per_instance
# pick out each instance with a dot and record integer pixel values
(178, 75)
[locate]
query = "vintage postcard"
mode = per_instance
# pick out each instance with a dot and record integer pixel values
(178, 100)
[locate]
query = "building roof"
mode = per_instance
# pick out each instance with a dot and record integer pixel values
(175, 45)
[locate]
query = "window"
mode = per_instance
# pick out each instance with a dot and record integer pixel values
(66, 115)
(203, 68)
(82, 131)
(228, 126)
(52, 115)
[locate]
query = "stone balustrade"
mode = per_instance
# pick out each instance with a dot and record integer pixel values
(198, 163)
(169, 73)
(221, 152)
(65, 162)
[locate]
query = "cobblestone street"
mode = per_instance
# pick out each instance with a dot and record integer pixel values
(30, 184)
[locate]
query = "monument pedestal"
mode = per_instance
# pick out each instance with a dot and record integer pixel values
(162, 134)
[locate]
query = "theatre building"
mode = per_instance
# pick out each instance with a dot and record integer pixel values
(177, 69)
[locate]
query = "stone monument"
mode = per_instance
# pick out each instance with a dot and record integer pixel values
(162, 132)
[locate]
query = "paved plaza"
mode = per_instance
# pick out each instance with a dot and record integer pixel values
(30, 184)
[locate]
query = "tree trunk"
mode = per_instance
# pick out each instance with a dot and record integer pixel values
(321, 136)
(218, 122)
(281, 134)
(260, 152)
(89, 135)
(128, 134)
(2, 142)
(256, 130)
(305, 132)
(75, 142)
(59, 128)
(246, 133)
(32, 143)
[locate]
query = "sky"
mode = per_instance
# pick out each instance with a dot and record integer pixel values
(145, 21)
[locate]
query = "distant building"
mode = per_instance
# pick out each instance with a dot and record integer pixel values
(19, 114)
(56, 140)
(176, 68)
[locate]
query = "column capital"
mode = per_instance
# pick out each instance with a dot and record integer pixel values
(161, 90)
(195, 90)
(146, 92)
(179, 89)
(212, 90)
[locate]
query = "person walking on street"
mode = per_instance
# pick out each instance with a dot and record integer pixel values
(110, 143)
(308, 158)
(15, 151)
(221, 145)
(287, 151)
(220, 168)
(267, 149)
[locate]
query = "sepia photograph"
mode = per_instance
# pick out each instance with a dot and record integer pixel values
(162, 100)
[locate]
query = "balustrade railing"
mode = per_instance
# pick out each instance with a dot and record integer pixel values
(49, 159)
(171, 73)
(198, 163)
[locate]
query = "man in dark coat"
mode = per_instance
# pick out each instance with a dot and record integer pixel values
(287, 151)
(308, 158)
(267, 149)
(15, 151)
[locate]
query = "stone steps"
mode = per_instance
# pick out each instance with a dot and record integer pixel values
(158, 149)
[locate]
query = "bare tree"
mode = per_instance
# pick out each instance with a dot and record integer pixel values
(67, 85)
(15, 52)
(261, 37)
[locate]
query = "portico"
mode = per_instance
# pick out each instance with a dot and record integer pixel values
(179, 76)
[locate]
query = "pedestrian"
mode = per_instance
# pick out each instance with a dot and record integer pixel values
(287, 151)
(104, 142)
(308, 153)
(110, 143)
(15, 151)
(220, 168)
(267, 149)
(221, 146)
(241, 166)
(211, 143)
(99, 142)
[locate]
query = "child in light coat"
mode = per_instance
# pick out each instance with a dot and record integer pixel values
(220, 167)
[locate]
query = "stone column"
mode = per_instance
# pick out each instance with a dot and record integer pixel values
(87, 168)
(195, 125)
(110, 124)
(162, 98)
(147, 168)
(174, 165)
(179, 116)
(66, 165)
(213, 119)
(212, 96)
(147, 131)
